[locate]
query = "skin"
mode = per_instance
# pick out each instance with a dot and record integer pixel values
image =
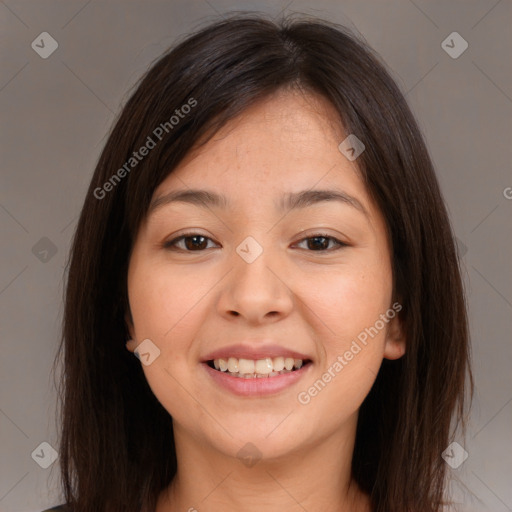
(314, 300)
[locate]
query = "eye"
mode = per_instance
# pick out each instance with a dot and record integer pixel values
(194, 242)
(320, 241)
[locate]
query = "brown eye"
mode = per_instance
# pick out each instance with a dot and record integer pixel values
(192, 242)
(195, 242)
(320, 243)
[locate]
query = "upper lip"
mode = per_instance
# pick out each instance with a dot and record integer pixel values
(245, 351)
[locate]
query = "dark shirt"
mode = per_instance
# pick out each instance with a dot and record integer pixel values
(58, 508)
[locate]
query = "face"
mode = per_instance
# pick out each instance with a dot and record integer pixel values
(260, 279)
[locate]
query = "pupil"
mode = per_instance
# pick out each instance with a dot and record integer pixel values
(316, 238)
(194, 246)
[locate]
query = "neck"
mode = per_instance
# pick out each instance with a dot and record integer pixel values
(311, 479)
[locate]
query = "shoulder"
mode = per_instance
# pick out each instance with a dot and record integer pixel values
(58, 508)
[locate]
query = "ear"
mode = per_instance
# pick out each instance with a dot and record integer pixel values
(131, 344)
(395, 339)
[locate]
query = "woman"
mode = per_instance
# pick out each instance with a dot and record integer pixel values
(265, 228)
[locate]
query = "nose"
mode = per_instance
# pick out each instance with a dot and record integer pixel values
(257, 291)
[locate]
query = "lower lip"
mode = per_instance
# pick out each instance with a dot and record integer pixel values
(256, 386)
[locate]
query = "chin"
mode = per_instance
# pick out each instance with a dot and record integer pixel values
(266, 437)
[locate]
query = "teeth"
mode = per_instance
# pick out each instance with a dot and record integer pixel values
(258, 375)
(261, 368)
(233, 365)
(278, 364)
(245, 366)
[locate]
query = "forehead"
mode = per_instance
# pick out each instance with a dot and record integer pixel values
(288, 141)
(278, 148)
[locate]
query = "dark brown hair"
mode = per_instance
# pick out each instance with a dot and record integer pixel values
(108, 460)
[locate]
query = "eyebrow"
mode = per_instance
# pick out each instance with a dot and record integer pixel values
(290, 201)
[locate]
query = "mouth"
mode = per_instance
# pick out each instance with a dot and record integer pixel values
(268, 367)
(256, 378)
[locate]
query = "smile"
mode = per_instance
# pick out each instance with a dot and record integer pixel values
(259, 368)
(256, 377)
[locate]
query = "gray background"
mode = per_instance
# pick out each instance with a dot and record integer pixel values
(57, 111)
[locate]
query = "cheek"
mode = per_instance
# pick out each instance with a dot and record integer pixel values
(348, 301)
(351, 343)
(352, 335)
(167, 308)
(165, 303)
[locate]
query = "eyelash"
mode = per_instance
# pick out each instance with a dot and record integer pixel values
(170, 245)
